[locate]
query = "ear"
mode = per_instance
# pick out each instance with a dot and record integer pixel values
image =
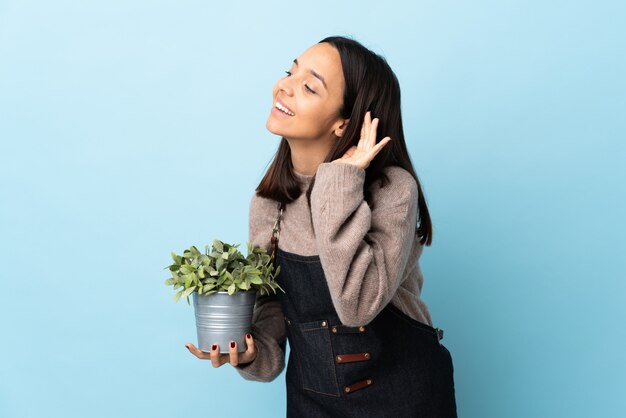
(340, 129)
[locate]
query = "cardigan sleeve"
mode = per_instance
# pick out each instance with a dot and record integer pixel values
(364, 251)
(267, 331)
(268, 326)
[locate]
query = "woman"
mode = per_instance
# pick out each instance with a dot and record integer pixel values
(347, 208)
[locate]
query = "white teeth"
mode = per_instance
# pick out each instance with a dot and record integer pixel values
(282, 108)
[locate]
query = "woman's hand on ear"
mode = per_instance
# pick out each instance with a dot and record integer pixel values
(233, 357)
(362, 154)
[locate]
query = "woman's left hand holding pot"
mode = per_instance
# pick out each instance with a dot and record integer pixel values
(233, 357)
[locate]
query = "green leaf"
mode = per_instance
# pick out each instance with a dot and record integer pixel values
(177, 295)
(217, 244)
(189, 291)
(231, 289)
(186, 268)
(169, 282)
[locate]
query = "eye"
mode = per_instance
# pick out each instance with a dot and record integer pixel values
(307, 87)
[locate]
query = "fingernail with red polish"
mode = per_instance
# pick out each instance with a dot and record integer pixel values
(232, 344)
(248, 336)
(214, 347)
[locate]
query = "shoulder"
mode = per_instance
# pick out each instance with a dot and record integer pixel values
(261, 210)
(400, 177)
(261, 205)
(400, 191)
(260, 220)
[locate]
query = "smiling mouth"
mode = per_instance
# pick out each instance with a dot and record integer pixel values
(283, 109)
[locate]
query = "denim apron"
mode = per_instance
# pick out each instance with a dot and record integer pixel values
(392, 367)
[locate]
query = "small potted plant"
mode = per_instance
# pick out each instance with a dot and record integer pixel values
(224, 285)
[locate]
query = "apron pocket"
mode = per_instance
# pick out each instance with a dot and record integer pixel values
(425, 329)
(314, 355)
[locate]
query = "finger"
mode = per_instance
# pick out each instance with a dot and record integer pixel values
(371, 139)
(362, 128)
(250, 342)
(234, 355)
(215, 355)
(380, 145)
(196, 352)
(250, 353)
(368, 128)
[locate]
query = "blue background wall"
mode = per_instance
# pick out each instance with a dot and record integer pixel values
(132, 129)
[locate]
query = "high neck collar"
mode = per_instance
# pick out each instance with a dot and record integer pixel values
(303, 178)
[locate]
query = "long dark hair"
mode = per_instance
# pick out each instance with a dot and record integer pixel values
(370, 84)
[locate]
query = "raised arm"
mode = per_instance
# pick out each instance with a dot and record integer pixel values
(364, 251)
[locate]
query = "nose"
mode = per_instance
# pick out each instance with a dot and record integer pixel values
(284, 84)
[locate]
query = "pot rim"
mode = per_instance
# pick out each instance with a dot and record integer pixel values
(226, 292)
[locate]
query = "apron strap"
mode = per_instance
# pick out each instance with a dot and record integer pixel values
(276, 232)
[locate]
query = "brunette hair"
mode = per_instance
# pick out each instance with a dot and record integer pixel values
(370, 84)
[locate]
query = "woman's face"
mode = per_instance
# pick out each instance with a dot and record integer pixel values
(312, 92)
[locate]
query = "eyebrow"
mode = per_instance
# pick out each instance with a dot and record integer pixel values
(315, 74)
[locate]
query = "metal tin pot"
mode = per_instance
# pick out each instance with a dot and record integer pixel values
(222, 318)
